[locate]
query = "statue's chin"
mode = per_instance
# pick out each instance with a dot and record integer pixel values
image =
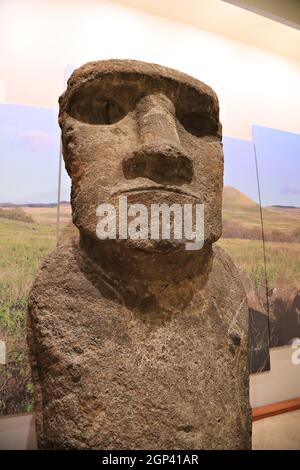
(156, 246)
(126, 246)
(136, 246)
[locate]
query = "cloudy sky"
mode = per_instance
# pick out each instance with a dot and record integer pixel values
(29, 143)
(239, 166)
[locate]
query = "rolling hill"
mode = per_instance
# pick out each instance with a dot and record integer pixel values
(240, 209)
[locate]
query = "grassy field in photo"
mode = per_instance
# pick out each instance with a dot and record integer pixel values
(283, 261)
(23, 245)
(242, 239)
(27, 237)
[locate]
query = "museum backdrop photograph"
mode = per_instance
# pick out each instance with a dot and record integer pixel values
(149, 227)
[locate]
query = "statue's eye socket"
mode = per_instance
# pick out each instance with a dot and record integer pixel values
(199, 124)
(102, 101)
(92, 110)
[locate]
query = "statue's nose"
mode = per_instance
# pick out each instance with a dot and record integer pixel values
(160, 156)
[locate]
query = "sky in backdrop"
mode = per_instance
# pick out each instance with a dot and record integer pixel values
(29, 158)
(239, 166)
(278, 158)
(29, 154)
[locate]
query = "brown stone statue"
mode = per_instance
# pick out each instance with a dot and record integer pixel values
(134, 343)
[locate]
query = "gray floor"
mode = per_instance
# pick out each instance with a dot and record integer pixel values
(279, 432)
(17, 432)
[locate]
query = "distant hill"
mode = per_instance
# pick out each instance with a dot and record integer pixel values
(285, 207)
(15, 213)
(232, 197)
(281, 223)
(50, 204)
(7, 204)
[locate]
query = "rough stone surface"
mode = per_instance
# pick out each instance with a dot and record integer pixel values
(140, 344)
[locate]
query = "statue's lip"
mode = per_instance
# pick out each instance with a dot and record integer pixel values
(167, 188)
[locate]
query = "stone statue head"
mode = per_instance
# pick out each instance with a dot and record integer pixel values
(145, 131)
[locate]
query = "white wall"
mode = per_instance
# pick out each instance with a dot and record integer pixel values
(42, 36)
(17, 432)
(281, 383)
(2, 92)
(254, 86)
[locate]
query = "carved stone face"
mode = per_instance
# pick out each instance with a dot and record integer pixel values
(145, 131)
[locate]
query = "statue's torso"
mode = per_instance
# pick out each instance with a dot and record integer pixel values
(111, 377)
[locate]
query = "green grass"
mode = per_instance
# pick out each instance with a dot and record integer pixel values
(283, 261)
(248, 256)
(23, 247)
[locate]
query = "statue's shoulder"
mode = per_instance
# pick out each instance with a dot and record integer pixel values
(225, 275)
(59, 277)
(66, 281)
(225, 266)
(58, 266)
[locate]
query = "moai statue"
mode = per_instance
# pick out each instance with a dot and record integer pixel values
(134, 343)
